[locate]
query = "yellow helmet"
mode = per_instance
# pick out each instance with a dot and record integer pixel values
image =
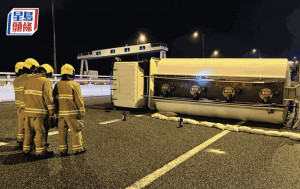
(19, 66)
(49, 69)
(31, 63)
(67, 69)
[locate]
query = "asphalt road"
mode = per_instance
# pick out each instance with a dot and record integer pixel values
(121, 153)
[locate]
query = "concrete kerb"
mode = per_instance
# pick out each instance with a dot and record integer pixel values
(234, 128)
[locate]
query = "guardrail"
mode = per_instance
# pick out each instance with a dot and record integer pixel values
(9, 77)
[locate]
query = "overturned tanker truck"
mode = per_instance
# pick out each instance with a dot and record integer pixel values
(246, 89)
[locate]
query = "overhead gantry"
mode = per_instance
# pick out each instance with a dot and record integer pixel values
(121, 51)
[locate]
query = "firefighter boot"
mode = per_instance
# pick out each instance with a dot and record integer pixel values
(19, 146)
(80, 152)
(64, 154)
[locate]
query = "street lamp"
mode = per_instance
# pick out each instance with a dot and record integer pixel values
(141, 38)
(216, 53)
(195, 34)
(196, 37)
(255, 50)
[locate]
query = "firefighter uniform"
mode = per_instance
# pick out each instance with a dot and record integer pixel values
(35, 93)
(20, 135)
(30, 65)
(39, 109)
(49, 72)
(70, 110)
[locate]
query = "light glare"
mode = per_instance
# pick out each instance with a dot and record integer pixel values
(142, 38)
(216, 53)
(195, 34)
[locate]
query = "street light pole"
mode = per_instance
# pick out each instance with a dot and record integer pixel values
(203, 45)
(254, 51)
(196, 36)
(137, 54)
(54, 37)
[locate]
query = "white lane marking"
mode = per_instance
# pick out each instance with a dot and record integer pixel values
(217, 151)
(161, 171)
(54, 132)
(140, 115)
(3, 143)
(111, 121)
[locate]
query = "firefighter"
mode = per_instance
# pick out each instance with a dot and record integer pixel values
(20, 135)
(39, 109)
(29, 68)
(51, 122)
(70, 110)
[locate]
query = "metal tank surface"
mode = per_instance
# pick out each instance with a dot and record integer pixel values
(255, 89)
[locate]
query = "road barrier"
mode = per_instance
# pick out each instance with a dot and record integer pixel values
(234, 128)
(8, 77)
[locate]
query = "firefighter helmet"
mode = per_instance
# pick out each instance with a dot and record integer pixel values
(31, 64)
(49, 69)
(19, 66)
(67, 69)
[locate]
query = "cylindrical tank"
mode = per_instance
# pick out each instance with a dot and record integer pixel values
(246, 89)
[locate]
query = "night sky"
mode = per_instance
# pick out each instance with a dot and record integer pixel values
(233, 27)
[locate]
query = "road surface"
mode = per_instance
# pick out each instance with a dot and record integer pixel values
(144, 152)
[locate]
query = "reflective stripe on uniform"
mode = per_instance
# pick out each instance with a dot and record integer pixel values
(34, 110)
(26, 147)
(77, 148)
(39, 150)
(17, 89)
(70, 112)
(64, 96)
(21, 136)
(50, 107)
(33, 92)
(63, 147)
